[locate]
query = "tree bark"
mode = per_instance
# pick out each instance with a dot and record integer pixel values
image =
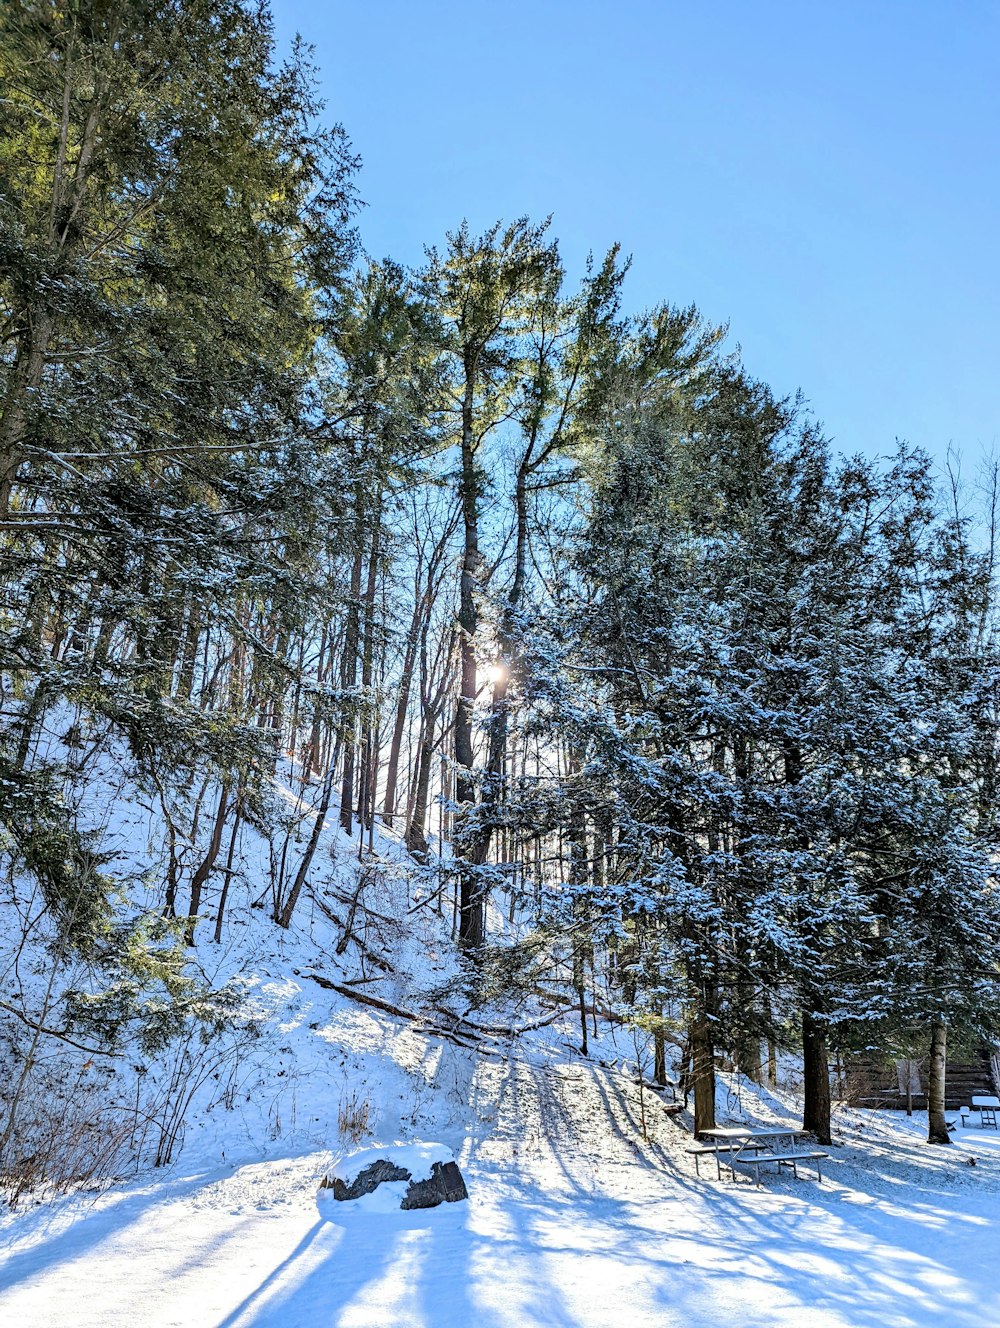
(230, 856)
(207, 863)
(366, 790)
(659, 1052)
(348, 678)
(399, 721)
(416, 831)
(284, 915)
(816, 1066)
(937, 1126)
(472, 900)
(702, 1069)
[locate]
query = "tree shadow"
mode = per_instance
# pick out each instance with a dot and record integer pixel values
(354, 1267)
(829, 1259)
(109, 1211)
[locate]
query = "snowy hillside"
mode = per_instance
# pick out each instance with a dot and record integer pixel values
(584, 1206)
(573, 1219)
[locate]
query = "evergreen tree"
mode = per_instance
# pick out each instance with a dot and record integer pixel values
(173, 235)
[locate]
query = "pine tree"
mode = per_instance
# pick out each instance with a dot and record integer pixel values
(483, 290)
(173, 234)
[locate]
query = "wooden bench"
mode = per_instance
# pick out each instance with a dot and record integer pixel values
(791, 1159)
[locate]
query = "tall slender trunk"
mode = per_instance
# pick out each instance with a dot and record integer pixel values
(207, 863)
(416, 831)
(314, 747)
(399, 720)
(348, 678)
(660, 1051)
(472, 896)
(937, 1126)
(366, 791)
(702, 1067)
(578, 877)
(230, 857)
(189, 649)
(816, 1077)
(283, 915)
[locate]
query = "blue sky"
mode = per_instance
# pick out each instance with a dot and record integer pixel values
(821, 176)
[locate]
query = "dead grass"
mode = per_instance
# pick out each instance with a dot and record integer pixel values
(353, 1117)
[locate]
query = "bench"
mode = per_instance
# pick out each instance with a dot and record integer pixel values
(698, 1151)
(791, 1159)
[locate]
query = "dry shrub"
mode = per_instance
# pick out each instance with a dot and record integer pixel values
(353, 1116)
(68, 1136)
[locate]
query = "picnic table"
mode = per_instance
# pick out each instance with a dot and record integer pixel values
(987, 1106)
(731, 1145)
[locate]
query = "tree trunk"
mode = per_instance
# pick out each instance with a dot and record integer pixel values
(312, 762)
(348, 678)
(207, 863)
(399, 721)
(284, 915)
(189, 649)
(578, 877)
(748, 1059)
(472, 900)
(659, 1053)
(816, 1066)
(702, 1069)
(416, 831)
(366, 792)
(230, 856)
(937, 1126)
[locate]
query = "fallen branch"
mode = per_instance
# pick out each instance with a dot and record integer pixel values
(361, 998)
(38, 1027)
(366, 951)
(422, 1026)
(499, 1030)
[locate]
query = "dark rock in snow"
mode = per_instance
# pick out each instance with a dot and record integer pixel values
(366, 1181)
(445, 1185)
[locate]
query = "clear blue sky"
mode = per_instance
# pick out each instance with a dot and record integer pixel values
(823, 176)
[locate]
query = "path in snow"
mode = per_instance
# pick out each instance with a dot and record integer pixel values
(574, 1222)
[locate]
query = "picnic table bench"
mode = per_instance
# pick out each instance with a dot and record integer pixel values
(731, 1147)
(698, 1151)
(790, 1159)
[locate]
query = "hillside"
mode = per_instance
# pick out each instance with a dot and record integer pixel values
(578, 1215)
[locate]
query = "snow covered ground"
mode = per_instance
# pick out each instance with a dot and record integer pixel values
(574, 1218)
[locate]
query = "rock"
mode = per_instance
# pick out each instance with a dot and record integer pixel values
(430, 1169)
(445, 1185)
(366, 1181)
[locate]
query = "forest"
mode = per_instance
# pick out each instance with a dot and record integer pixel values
(663, 698)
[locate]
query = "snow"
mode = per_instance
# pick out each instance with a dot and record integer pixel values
(416, 1158)
(574, 1220)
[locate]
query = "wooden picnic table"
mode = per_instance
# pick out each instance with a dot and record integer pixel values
(987, 1105)
(732, 1143)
